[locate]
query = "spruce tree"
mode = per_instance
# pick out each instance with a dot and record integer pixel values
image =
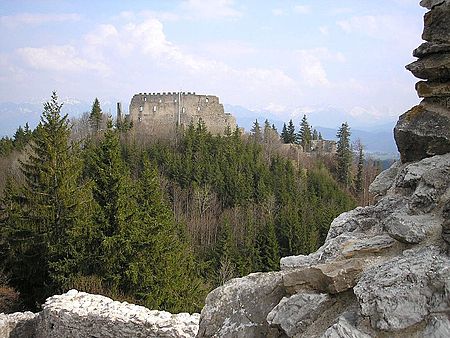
(304, 134)
(256, 132)
(96, 116)
(159, 270)
(359, 183)
(344, 155)
(42, 212)
(290, 138)
(284, 134)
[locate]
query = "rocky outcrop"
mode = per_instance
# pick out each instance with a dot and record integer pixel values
(239, 308)
(79, 314)
(423, 131)
(19, 324)
(384, 270)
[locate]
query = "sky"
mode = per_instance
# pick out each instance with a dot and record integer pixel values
(285, 57)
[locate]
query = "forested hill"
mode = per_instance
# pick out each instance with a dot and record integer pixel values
(154, 223)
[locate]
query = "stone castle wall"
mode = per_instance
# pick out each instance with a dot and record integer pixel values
(160, 113)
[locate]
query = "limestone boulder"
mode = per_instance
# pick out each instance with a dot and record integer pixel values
(438, 326)
(79, 314)
(17, 325)
(405, 290)
(363, 246)
(433, 89)
(422, 132)
(239, 308)
(408, 229)
(333, 277)
(432, 67)
(294, 314)
(437, 23)
(428, 47)
(446, 223)
(385, 180)
(343, 328)
(430, 4)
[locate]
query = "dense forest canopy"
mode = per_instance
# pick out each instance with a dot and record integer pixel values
(154, 222)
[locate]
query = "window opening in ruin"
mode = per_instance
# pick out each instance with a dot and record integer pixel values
(160, 100)
(139, 119)
(145, 98)
(154, 108)
(141, 108)
(183, 110)
(207, 100)
(198, 108)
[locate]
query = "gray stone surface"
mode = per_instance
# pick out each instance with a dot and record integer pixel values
(292, 315)
(17, 325)
(79, 314)
(432, 3)
(437, 23)
(384, 181)
(344, 329)
(422, 132)
(431, 67)
(332, 277)
(403, 291)
(438, 327)
(406, 229)
(367, 245)
(446, 224)
(433, 89)
(431, 48)
(239, 308)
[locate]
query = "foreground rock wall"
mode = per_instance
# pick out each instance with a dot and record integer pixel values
(79, 314)
(384, 270)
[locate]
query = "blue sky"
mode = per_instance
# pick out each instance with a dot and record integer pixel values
(286, 57)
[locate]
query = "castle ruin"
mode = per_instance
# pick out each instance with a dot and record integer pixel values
(162, 113)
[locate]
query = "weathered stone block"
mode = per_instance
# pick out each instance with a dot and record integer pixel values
(437, 23)
(432, 89)
(293, 315)
(239, 307)
(423, 131)
(428, 47)
(432, 67)
(333, 277)
(403, 291)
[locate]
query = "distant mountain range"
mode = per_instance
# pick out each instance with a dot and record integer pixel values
(377, 138)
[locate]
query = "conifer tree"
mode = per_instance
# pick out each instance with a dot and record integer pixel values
(44, 210)
(344, 155)
(359, 183)
(290, 138)
(96, 116)
(304, 134)
(116, 208)
(284, 134)
(315, 135)
(159, 269)
(256, 132)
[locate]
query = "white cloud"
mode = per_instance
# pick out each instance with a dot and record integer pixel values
(211, 9)
(384, 27)
(278, 12)
(13, 21)
(324, 30)
(302, 9)
(311, 66)
(58, 58)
